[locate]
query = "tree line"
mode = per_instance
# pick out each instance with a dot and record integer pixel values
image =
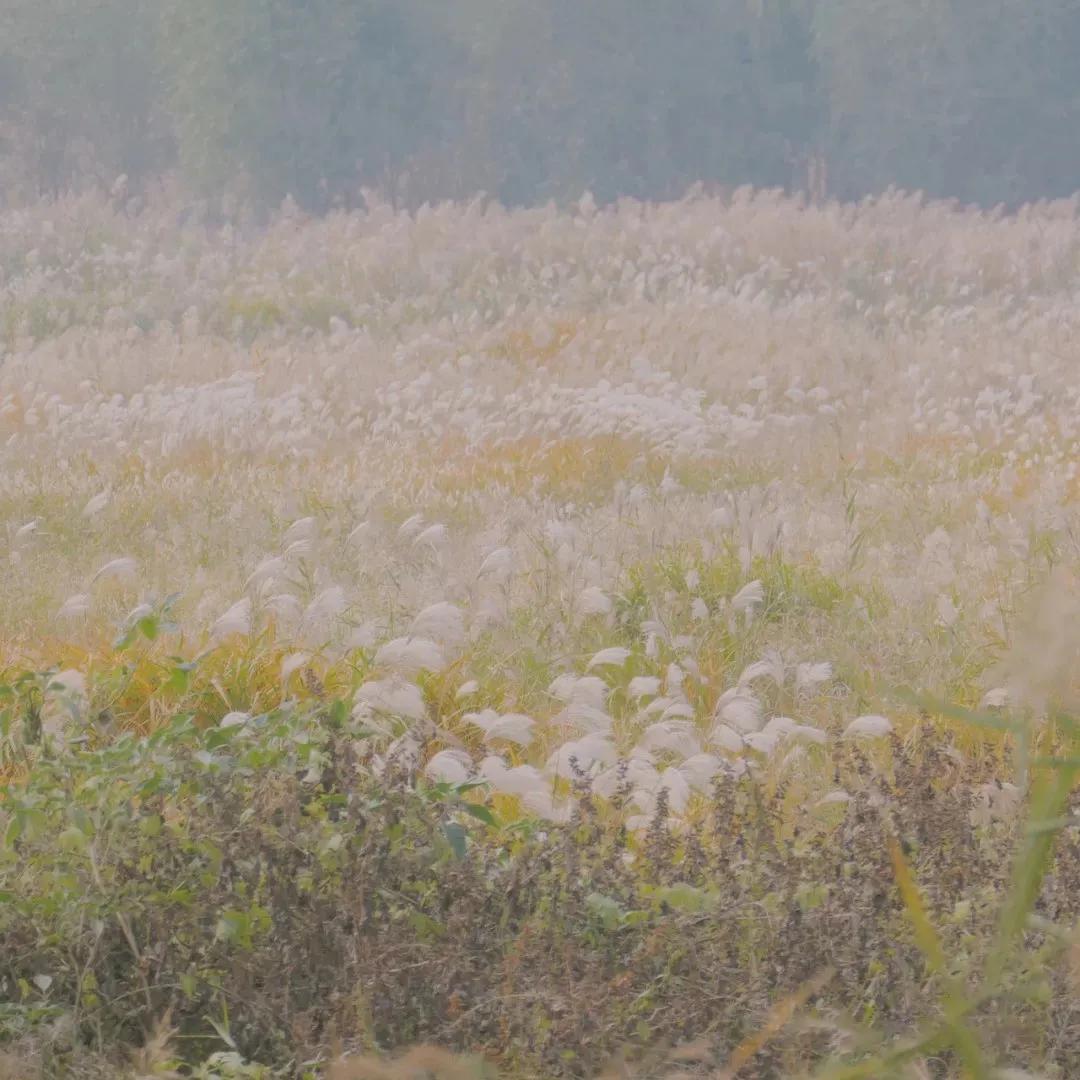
(528, 100)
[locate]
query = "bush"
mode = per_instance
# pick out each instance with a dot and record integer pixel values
(82, 94)
(265, 886)
(310, 99)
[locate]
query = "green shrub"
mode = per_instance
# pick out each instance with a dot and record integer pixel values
(261, 888)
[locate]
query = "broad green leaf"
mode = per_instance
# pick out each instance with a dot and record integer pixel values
(457, 837)
(481, 813)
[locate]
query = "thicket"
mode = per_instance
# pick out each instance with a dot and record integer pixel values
(255, 890)
(961, 98)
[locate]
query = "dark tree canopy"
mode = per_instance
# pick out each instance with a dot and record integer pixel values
(977, 100)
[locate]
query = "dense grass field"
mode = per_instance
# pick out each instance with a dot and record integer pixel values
(638, 641)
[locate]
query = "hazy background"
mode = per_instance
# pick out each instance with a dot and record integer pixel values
(535, 99)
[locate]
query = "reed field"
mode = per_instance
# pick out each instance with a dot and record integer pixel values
(639, 640)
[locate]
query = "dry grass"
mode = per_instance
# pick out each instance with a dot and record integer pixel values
(582, 431)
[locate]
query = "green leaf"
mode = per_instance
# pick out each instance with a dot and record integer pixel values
(606, 910)
(427, 927)
(1052, 825)
(926, 936)
(957, 712)
(81, 820)
(14, 830)
(466, 786)
(482, 813)
(72, 839)
(1049, 798)
(683, 897)
(235, 926)
(179, 679)
(457, 838)
(151, 825)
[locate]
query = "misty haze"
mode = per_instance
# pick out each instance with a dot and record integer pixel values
(539, 540)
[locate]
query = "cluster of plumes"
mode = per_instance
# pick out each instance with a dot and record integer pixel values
(695, 327)
(668, 738)
(658, 742)
(661, 739)
(461, 354)
(408, 437)
(627, 516)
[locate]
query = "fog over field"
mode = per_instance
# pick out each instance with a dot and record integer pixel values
(505, 573)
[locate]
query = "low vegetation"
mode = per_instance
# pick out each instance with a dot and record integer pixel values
(627, 642)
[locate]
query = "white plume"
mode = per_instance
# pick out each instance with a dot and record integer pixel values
(699, 770)
(583, 689)
(117, 569)
(513, 727)
(411, 527)
(442, 622)
(23, 532)
(521, 780)
(497, 565)
(588, 751)
(267, 570)
(676, 736)
(678, 788)
(726, 738)
(810, 676)
(678, 710)
(780, 726)
(543, 804)
(807, 733)
(643, 686)
(749, 596)
(585, 718)
(433, 536)
(837, 796)
(872, 727)
(393, 696)
(292, 663)
(237, 620)
(594, 601)
(96, 504)
(740, 709)
(636, 772)
(410, 656)
(450, 766)
(614, 656)
(764, 742)
(770, 666)
(305, 528)
(358, 533)
(74, 607)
